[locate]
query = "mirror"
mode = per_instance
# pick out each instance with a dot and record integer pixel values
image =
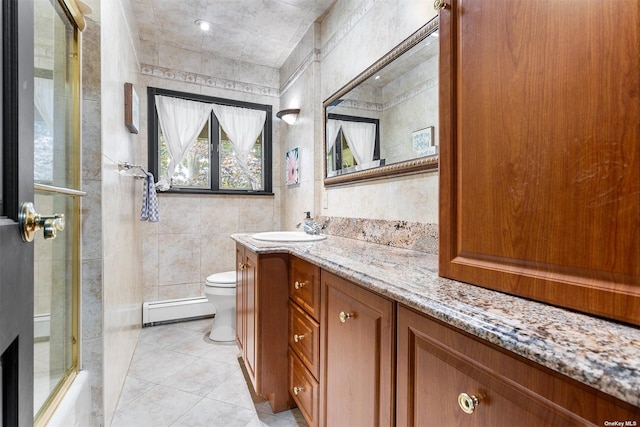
(385, 121)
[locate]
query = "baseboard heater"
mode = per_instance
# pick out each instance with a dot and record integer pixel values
(176, 310)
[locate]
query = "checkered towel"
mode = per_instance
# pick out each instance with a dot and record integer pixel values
(149, 201)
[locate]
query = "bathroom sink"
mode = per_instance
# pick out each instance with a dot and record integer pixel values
(288, 236)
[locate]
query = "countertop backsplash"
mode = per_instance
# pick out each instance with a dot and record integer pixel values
(400, 234)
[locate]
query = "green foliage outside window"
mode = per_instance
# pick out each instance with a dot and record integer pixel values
(195, 171)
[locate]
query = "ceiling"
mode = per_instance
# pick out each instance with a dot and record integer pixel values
(263, 32)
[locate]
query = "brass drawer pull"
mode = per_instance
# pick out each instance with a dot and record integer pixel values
(299, 285)
(345, 316)
(298, 390)
(298, 338)
(439, 4)
(468, 403)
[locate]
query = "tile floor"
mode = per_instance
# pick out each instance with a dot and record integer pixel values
(179, 378)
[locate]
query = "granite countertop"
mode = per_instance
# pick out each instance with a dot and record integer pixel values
(602, 354)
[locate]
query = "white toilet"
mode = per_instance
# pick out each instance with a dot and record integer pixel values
(220, 289)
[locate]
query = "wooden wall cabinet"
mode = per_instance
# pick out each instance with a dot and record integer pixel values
(437, 363)
(357, 354)
(261, 318)
(539, 154)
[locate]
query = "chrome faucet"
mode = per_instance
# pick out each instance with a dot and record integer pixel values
(309, 226)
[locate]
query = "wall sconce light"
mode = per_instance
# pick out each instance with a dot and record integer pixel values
(289, 115)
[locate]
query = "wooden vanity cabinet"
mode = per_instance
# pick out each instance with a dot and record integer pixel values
(539, 161)
(437, 363)
(304, 337)
(357, 355)
(261, 317)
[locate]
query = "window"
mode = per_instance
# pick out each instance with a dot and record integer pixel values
(213, 164)
(340, 156)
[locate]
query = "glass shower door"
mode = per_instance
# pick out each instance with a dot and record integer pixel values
(56, 176)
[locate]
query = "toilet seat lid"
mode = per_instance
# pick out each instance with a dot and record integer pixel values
(225, 279)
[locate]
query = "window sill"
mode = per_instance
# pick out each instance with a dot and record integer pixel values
(217, 193)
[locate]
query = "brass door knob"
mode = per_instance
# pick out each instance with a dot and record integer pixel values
(298, 338)
(345, 316)
(298, 285)
(31, 221)
(298, 390)
(468, 403)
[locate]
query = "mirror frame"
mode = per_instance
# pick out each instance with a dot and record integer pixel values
(408, 167)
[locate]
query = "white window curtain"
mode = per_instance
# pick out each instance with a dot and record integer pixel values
(43, 99)
(181, 121)
(333, 127)
(361, 138)
(242, 126)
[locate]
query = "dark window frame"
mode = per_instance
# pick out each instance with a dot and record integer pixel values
(153, 126)
(338, 156)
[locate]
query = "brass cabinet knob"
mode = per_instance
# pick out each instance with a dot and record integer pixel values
(298, 338)
(439, 4)
(299, 285)
(242, 266)
(345, 316)
(468, 403)
(298, 390)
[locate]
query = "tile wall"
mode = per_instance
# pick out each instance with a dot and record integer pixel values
(191, 240)
(111, 247)
(352, 37)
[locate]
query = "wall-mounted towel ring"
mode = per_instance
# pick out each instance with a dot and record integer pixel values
(137, 171)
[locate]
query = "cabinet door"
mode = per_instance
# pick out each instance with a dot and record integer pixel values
(240, 299)
(436, 364)
(358, 355)
(250, 353)
(539, 155)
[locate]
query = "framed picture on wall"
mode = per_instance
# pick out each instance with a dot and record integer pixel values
(423, 142)
(131, 108)
(292, 174)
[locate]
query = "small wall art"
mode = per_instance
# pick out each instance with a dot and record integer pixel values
(131, 108)
(292, 173)
(423, 142)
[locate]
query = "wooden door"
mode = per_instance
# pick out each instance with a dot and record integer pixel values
(16, 179)
(357, 375)
(540, 159)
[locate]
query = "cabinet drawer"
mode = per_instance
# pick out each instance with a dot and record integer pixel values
(437, 364)
(304, 286)
(304, 338)
(304, 389)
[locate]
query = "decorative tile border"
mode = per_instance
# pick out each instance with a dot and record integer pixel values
(400, 234)
(199, 79)
(313, 56)
(317, 55)
(347, 27)
(374, 106)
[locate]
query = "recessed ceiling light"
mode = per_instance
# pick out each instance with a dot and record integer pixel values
(204, 25)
